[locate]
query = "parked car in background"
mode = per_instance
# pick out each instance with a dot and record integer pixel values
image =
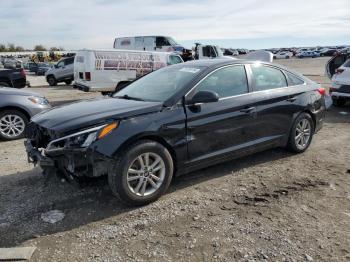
(16, 109)
(12, 63)
(63, 71)
(335, 62)
(13, 78)
(226, 51)
(108, 71)
(234, 52)
(340, 89)
(43, 68)
(307, 54)
(163, 124)
(328, 52)
(283, 55)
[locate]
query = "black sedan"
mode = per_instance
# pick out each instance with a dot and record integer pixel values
(175, 120)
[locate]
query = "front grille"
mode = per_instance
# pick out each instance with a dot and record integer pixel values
(344, 89)
(38, 135)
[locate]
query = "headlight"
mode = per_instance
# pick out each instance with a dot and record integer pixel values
(38, 100)
(84, 138)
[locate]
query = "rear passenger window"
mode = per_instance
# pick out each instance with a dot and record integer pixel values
(226, 82)
(293, 80)
(265, 78)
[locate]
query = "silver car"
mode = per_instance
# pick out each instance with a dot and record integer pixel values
(16, 109)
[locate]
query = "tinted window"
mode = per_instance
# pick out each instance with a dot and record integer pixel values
(162, 41)
(293, 80)
(228, 81)
(267, 78)
(69, 61)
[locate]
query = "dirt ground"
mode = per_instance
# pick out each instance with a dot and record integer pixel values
(271, 206)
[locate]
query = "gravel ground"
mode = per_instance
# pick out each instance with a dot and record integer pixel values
(271, 206)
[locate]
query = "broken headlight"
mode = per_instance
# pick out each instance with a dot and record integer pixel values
(84, 138)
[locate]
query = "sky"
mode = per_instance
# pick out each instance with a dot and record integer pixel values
(77, 24)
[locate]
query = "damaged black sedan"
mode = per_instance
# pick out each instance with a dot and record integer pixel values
(175, 120)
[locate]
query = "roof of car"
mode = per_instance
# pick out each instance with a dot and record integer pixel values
(219, 62)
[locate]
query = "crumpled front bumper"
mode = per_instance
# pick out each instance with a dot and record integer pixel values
(69, 161)
(36, 157)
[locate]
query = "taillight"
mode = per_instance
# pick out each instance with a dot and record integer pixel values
(23, 73)
(322, 91)
(339, 71)
(87, 76)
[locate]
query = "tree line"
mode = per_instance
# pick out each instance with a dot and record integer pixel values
(16, 48)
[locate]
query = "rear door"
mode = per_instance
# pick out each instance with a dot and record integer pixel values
(216, 129)
(277, 95)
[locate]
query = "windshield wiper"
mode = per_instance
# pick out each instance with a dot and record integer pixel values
(130, 98)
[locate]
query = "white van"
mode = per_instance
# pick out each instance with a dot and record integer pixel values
(108, 71)
(148, 43)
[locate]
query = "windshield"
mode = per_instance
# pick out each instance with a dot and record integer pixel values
(172, 41)
(161, 84)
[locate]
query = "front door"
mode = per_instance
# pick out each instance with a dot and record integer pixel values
(214, 129)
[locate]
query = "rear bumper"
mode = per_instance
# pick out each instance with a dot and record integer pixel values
(337, 95)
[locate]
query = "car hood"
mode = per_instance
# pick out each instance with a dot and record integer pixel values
(83, 114)
(19, 92)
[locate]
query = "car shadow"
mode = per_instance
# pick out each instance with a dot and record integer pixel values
(338, 114)
(25, 196)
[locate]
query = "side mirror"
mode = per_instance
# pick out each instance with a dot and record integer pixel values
(203, 97)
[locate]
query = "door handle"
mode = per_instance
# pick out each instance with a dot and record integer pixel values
(247, 110)
(291, 99)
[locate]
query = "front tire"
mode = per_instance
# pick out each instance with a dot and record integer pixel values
(301, 133)
(52, 81)
(142, 173)
(13, 124)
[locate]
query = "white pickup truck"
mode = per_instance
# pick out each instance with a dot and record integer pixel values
(107, 71)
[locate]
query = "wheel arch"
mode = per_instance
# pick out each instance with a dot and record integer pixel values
(23, 111)
(151, 137)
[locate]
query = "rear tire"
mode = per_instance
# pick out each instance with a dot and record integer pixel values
(137, 182)
(52, 81)
(339, 102)
(13, 124)
(301, 133)
(4, 84)
(68, 82)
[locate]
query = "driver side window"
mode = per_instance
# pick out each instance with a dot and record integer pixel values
(60, 64)
(226, 82)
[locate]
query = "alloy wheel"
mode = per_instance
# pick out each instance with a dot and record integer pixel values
(302, 134)
(11, 126)
(146, 174)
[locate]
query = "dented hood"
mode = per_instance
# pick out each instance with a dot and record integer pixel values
(87, 113)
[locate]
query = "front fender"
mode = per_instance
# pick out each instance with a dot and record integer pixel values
(168, 125)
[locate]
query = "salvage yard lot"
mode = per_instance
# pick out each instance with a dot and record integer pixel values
(269, 206)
